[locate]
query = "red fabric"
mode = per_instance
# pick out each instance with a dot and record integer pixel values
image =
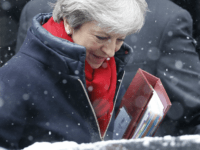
(101, 82)
(57, 29)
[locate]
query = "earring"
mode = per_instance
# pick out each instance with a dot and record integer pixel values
(68, 32)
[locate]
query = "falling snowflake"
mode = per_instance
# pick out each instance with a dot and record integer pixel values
(45, 42)
(133, 39)
(153, 53)
(76, 72)
(1, 102)
(30, 138)
(64, 81)
(104, 65)
(90, 88)
(179, 64)
(170, 33)
(176, 111)
(45, 92)
(25, 96)
(174, 81)
(6, 5)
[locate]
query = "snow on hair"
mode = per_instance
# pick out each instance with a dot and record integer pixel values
(118, 16)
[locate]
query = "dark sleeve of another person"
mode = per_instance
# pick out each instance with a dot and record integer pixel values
(179, 70)
(31, 9)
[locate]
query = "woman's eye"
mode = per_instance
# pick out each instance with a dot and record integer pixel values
(121, 40)
(101, 38)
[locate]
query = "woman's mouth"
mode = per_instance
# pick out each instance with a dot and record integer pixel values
(95, 61)
(98, 57)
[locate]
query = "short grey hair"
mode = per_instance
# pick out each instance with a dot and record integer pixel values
(118, 16)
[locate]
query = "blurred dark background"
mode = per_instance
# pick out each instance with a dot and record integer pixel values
(10, 11)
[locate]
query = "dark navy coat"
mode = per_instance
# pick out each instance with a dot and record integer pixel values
(43, 93)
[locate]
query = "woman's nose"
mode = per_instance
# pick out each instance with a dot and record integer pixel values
(110, 48)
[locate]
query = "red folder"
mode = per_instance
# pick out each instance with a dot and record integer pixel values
(137, 97)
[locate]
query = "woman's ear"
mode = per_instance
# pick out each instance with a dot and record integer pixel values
(68, 28)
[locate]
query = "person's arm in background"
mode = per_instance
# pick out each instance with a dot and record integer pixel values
(165, 48)
(179, 70)
(24, 24)
(31, 9)
(197, 24)
(9, 20)
(193, 7)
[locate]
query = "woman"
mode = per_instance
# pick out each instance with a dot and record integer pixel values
(63, 83)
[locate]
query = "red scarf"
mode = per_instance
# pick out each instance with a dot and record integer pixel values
(101, 82)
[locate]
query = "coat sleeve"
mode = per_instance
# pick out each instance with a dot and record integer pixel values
(12, 112)
(179, 70)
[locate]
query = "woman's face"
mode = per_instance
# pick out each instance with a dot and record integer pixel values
(99, 44)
